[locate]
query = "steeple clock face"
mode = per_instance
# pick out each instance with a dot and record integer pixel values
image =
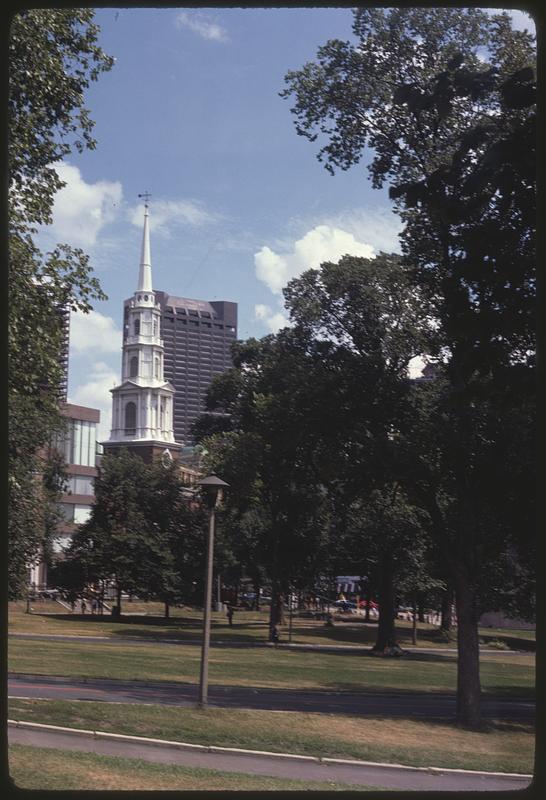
(166, 458)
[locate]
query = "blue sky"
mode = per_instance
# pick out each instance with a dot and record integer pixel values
(191, 113)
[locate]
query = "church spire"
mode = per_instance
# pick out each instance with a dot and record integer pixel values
(145, 273)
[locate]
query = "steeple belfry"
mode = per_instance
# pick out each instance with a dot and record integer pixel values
(142, 405)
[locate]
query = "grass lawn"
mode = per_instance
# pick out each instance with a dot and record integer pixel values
(501, 747)
(501, 673)
(249, 626)
(42, 768)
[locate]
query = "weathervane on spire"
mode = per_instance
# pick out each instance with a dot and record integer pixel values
(146, 195)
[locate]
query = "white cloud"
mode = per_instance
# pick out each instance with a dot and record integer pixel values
(273, 320)
(94, 332)
(379, 226)
(201, 24)
(322, 243)
(82, 209)
(95, 393)
(166, 214)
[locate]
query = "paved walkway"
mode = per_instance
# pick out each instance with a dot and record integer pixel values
(408, 705)
(295, 767)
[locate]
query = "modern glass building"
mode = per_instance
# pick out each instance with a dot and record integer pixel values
(80, 449)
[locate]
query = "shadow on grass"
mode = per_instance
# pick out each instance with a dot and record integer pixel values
(512, 642)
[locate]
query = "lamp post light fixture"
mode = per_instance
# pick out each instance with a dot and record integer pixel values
(212, 489)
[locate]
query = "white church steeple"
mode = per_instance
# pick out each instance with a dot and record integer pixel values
(142, 405)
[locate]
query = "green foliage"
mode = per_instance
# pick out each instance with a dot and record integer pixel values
(141, 536)
(276, 515)
(53, 57)
(444, 99)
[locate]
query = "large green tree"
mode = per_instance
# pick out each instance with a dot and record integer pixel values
(372, 322)
(444, 100)
(272, 460)
(142, 537)
(53, 56)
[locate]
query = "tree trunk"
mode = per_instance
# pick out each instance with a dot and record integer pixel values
(276, 612)
(118, 599)
(368, 598)
(468, 671)
(166, 615)
(386, 634)
(468, 657)
(446, 623)
(256, 585)
(421, 612)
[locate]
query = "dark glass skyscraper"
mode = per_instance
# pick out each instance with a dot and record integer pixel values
(197, 335)
(64, 314)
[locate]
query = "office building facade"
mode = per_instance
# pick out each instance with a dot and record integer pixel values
(197, 337)
(78, 446)
(64, 315)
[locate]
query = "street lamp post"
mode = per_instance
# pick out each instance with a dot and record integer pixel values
(211, 488)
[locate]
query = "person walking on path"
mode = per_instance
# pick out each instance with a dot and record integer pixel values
(229, 615)
(83, 606)
(274, 636)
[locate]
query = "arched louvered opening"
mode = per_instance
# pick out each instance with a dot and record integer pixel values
(130, 419)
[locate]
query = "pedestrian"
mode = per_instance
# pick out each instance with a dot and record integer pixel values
(275, 635)
(83, 606)
(229, 615)
(93, 606)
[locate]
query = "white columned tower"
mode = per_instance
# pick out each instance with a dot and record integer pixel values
(142, 405)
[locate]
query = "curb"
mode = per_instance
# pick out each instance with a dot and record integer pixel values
(262, 753)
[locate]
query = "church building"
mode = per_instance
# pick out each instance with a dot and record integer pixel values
(142, 405)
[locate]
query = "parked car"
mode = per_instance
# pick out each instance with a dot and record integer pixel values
(344, 605)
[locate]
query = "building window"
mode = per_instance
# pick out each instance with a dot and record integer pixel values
(130, 419)
(61, 543)
(156, 368)
(67, 511)
(80, 484)
(155, 326)
(77, 444)
(136, 326)
(133, 367)
(81, 514)
(162, 409)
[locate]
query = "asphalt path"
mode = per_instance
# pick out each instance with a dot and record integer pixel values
(296, 768)
(410, 705)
